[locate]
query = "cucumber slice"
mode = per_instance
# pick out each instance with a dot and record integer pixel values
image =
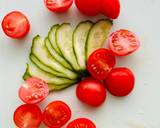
(57, 87)
(64, 42)
(98, 35)
(39, 50)
(80, 36)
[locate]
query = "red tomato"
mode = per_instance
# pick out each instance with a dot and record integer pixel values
(89, 7)
(91, 91)
(100, 63)
(27, 116)
(123, 42)
(81, 123)
(58, 5)
(120, 81)
(15, 25)
(111, 8)
(34, 90)
(56, 114)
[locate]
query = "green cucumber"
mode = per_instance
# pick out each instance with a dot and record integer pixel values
(98, 35)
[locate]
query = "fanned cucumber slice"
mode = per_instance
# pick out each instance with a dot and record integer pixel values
(98, 35)
(39, 50)
(64, 42)
(57, 87)
(80, 36)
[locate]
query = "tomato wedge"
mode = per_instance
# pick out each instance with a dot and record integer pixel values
(56, 114)
(100, 63)
(123, 42)
(33, 91)
(27, 116)
(81, 123)
(15, 25)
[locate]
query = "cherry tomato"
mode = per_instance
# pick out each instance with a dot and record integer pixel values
(100, 63)
(81, 123)
(89, 7)
(34, 90)
(120, 81)
(123, 42)
(15, 25)
(111, 8)
(91, 92)
(56, 114)
(27, 116)
(58, 5)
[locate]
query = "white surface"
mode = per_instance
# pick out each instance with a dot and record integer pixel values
(141, 109)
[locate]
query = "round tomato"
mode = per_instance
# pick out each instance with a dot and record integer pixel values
(81, 123)
(56, 114)
(34, 90)
(111, 8)
(91, 91)
(100, 63)
(89, 7)
(27, 116)
(120, 81)
(123, 42)
(58, 5)
(15, 25)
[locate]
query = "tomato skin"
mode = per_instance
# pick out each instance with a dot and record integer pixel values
(89, 7)
(100, 63)
(91, 92)
(56, 114)
(15, 25)
(120, 81)
(81, 123)
(28, 115)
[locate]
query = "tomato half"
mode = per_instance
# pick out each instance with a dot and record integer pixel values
(91, 92)
(58, 5)
(120, 81)
(56, 114)
(89, 7)
(27, 116)
(81, 123)
(123, 42)
(33, 91)
(15, 25)
(100, 63)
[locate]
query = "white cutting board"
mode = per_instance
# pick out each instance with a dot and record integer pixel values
(141, 109)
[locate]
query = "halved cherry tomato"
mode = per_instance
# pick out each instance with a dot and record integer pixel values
(89, 7)
(56, 114)
(58, 5)
(123, 42)
(91, 91)
(111, 8)
(33, 91)
(27, 116)
(100, 63)
(15, 25)
(81, 123)
(120, 81)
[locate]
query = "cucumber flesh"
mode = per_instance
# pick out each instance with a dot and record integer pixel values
(98, 35)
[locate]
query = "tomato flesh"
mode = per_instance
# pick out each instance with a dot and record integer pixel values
(56, 114)
(27, 116)
(100, 63)
(34, 90)
(123, 42)
(15, 25)
(81, 123)
(120, 81)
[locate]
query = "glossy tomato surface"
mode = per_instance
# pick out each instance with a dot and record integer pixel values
(27, 116)
(33, 91)
(120, 81)
(15, 25)
(56, 114)
(123, 42)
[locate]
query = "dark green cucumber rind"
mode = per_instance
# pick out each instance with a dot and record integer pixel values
(26, 75)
